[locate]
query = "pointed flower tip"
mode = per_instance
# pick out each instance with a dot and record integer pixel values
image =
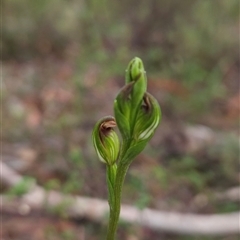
(105, 140)
(134, 70)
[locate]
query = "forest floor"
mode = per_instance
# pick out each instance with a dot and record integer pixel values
(49, 110)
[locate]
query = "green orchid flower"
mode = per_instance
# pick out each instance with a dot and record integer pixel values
(106, 141)
(138, 115)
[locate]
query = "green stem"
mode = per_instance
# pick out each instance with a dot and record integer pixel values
(111, 176)
(115, 208)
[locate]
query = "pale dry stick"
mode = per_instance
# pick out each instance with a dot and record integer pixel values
(231, 194)
(96, 210)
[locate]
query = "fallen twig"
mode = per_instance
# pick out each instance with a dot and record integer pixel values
(232, 194)
(96, 210)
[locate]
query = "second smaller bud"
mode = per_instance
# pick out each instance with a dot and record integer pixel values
(106, 141)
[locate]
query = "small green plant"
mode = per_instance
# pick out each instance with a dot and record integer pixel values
(137, 115)
(22, 187)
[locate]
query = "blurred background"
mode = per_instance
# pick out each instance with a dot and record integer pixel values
(63, 62)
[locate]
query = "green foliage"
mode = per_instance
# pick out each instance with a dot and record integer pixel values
(22, 187)
(76, 157)
(228, 207)
(68, 235)
(73, 183)
(60, 209)
(142, 196)
(161, 175)
(52, 184)
(225, 154)
(52, 232)
(185, 170)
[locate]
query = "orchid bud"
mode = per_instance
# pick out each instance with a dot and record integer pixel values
(148, 118)
(129, 99)
(106, 141)
(135, 73)
(134, 70)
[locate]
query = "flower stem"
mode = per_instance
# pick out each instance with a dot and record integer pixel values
(116, 206)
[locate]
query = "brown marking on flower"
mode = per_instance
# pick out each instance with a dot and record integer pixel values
(106, 127)
(126, 90)
(146, 103)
